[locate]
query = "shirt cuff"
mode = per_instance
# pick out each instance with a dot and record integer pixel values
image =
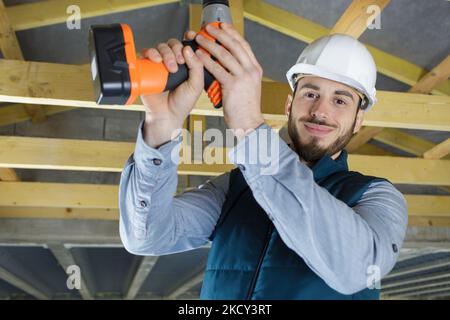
(165, 157)
(261, 152)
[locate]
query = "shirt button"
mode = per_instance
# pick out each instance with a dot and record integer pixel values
(143, 204)
(157, 162)
(394, 247)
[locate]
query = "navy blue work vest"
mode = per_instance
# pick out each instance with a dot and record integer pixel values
(249, 260)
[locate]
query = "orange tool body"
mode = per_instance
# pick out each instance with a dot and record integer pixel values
(120, 77)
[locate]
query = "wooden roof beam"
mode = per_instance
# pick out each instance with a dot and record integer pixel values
(69, 85)
(108, 156)
(356, 18)
(48, 12)
(432, 79)
(307, 31)
(439, 151)
(9, 45)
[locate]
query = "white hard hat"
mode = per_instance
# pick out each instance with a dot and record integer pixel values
(340, 58)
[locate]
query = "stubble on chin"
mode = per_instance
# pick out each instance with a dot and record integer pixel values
(311, 151)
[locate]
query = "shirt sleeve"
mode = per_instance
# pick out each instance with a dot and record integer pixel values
(152, 220)
(342, 245)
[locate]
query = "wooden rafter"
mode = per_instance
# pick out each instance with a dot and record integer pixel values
(8, 42)
(48, 12)
(415, 217)
(400, 140)
(356, 17)
(195, 17)
(195, 12)
(354, 22)
(39, 194)
(59, 213)
(307, 31)
(70, 154)
(100, 202)
(431, 80)
(15, 113)
(405, 117)
(414, 221)
(369, 149)
(405, 142)
(11, 50)
(237, 14)
(362, 137)
(402, 170)
(394, 109)
(43, 13)
(8, 174)
(68, 85)
(439, 74)
(439, 151)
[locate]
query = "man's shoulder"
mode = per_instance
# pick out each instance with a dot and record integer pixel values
(355, 177)
(373, 182)
(381, 188)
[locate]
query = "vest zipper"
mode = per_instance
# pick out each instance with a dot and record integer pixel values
(261, 259)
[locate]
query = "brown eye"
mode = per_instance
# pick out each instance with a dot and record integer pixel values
(311, 95)
(340, 102)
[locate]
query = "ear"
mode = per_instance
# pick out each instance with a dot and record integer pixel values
(359, 120)
(288, 105)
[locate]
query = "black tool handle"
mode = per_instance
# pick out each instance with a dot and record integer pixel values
(175, 79)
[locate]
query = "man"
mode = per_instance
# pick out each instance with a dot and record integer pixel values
(310, 229)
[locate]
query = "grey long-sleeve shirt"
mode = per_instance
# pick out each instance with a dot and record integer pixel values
(339, 243)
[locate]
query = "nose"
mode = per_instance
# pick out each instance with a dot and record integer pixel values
(319, 109)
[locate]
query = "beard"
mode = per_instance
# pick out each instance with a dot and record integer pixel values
(312, 151)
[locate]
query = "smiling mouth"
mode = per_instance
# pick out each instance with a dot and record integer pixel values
(317, 129)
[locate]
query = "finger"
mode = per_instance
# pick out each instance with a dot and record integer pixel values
(231, 44)
(229, 29)
(195, 66)
(215, 68)
(152, 54)
(221, 54)
(168, 57)
(177, 47)
(189, 35)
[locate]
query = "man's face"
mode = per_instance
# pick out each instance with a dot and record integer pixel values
(323, 117)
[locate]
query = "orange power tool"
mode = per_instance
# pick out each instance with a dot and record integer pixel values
(120, 77)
